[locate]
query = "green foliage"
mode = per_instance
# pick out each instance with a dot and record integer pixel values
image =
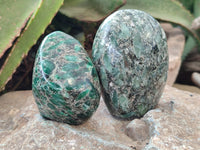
(188, 4)
(189, 45)
(190, 42)
(196, 8)
(167, 10)
(90, 10)
(40, 18)
(13, 17)
(22, 22)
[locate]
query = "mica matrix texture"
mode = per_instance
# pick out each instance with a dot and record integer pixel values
(65, 82)
(130, 55)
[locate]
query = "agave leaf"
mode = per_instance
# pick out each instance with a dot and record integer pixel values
(188, 4)
(90, 10)
(166, 10)
(13, 17)
(41, 17)
(191, 43)
(196, 8)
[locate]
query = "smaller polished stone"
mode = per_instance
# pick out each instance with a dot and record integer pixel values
(65, 82)
(130, 55)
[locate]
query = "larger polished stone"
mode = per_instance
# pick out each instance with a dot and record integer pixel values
(130, 55)
(65, 82)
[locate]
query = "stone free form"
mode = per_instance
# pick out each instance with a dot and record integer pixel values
(130, 55)
(65, 82)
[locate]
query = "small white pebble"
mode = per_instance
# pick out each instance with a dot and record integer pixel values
(196, 78)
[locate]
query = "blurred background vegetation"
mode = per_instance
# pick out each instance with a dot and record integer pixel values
(24, 23)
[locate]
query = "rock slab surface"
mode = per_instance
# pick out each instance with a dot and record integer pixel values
(174, 124)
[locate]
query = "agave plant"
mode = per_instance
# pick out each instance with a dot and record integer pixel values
(22, 22)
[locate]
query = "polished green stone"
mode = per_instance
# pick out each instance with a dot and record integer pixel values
(65, 82)
(130, 55)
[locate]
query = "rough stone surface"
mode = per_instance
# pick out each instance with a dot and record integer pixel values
(188, 88)
(65, 82)
(172, 126)
(22, 128)
(176, 43)
(137, 130)
(130, 55)
(175, 124)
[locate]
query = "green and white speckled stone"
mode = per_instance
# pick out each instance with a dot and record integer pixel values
(65, 82)
(130, 55)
